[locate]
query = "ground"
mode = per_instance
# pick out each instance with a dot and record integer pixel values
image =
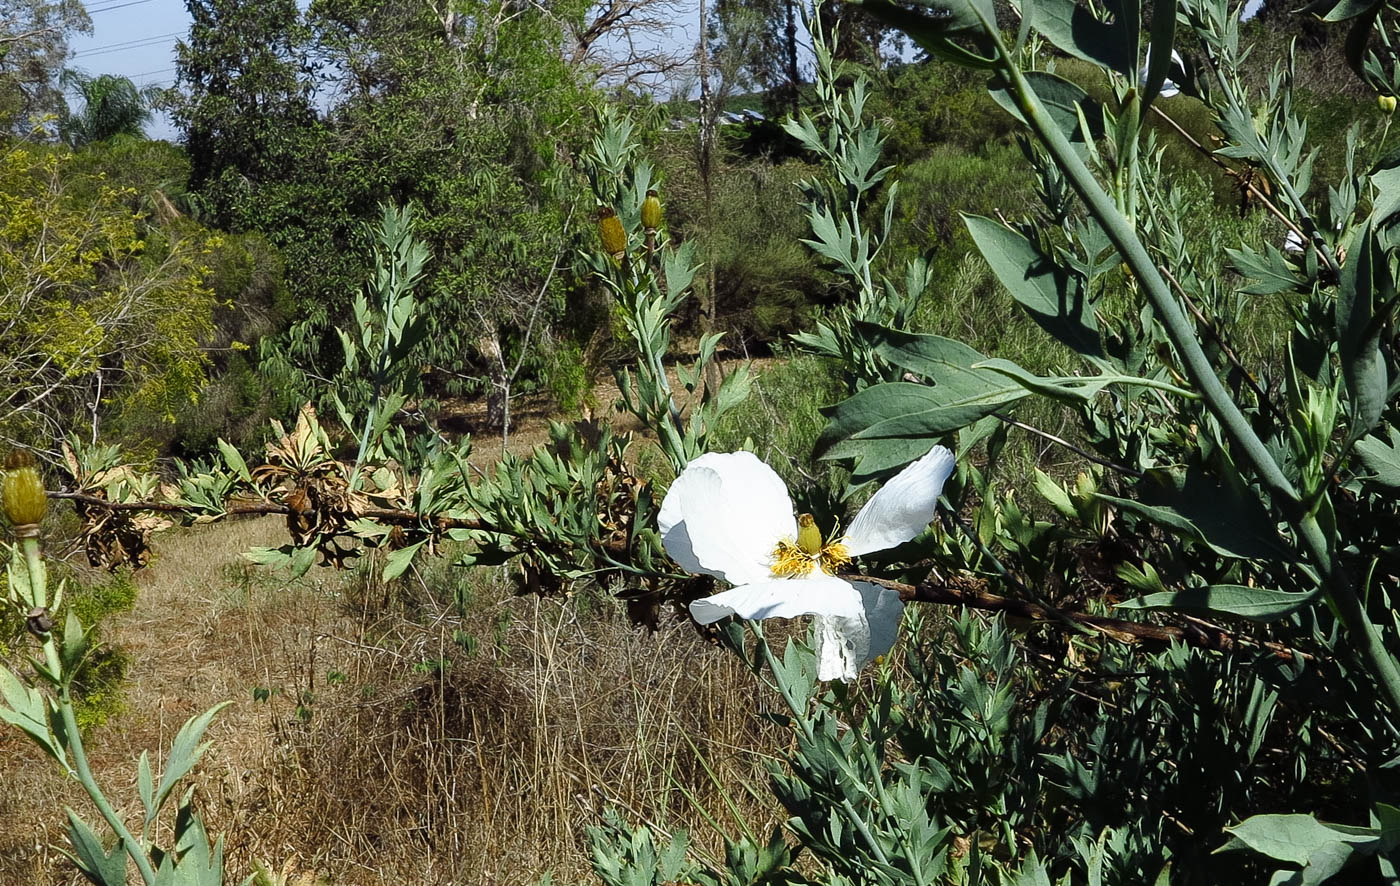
(438, 730)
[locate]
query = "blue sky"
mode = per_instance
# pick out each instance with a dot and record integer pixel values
(136, 39)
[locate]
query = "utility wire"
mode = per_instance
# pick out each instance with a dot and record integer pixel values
(117, 6)
(129, 44)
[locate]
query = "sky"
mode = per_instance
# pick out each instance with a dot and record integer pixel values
(136, 39)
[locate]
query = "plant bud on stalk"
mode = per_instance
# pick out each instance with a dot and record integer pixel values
(23, 493)
(651, 211)
(610, 231)
(1386, 103)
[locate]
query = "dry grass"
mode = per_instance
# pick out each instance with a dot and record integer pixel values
(394, 748)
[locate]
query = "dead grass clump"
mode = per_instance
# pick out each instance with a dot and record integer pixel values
(434, 731)
(439, 759)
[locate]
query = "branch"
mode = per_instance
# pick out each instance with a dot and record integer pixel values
(970, 593)
(386, 515)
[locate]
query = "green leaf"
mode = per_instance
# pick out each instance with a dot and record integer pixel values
(1159, 55)
(97, 864)
(185, 752)
(931, 356)
(1366, 288)
(943, 19)
(1053, 295)
(1256, 604)
(398, 561)
(145, 786)
(1063, 101)
(1073, 27)
(74, 645)
(1054, 493)
(1358, 39)
(1226, 517)
(1381, 459)
(1386, 180)
(1341, 10)
(26, 708)
(734, 390)
(1068, 389)
(234, 460)
(1293, 838)
(270, 556)
(901, 410)
(887, 426)
(1271, 270)
(302, 560)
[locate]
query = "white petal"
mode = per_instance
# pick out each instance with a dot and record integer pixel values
(724, 515)
(903, 507)
(846, 645)
(836, 647)
(1169, 88)
(883, 611)
(782, 598)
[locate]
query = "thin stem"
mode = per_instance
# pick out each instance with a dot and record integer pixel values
(1077, 450)
(39, 593)
(800, 715)
(85, 776)
(916, 868)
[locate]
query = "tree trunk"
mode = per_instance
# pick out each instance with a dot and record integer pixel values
(707, 140)
(794, 82)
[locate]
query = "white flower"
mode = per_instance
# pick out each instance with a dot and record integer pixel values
(729, 515)
(1169, 87)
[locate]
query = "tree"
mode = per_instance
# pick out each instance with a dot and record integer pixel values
(627, 42)
(468, 114)
(112, 106)
(467, 111)
(103, 314)
(761, 35)
(243, 95)
(33, 49)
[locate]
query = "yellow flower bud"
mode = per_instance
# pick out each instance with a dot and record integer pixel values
(651, 211)
(23, 491)
(611, 232)
(1386, 103)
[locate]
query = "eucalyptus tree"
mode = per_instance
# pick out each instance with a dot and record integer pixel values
(33, 51)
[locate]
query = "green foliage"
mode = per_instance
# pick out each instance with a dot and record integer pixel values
(42, 706)
(98, 684)
(112, 107)
(464, 115)
(33, 50)
(102, 305)
(932, 109)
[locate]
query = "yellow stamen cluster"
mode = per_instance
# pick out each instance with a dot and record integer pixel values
(797, 558)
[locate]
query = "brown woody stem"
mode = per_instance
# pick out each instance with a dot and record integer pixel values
(1197, 633)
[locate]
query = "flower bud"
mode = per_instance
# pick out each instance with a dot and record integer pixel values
(23, 491)
(651, 211)
(1386, 103)
(610, 231)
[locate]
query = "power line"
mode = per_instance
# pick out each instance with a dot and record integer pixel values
(117, 6)
(129, 44)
